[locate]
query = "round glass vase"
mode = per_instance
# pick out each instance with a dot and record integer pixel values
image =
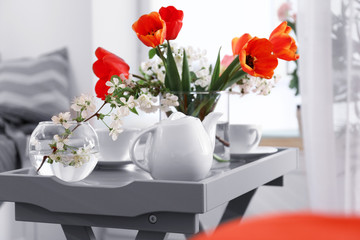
(200, 104)
(74, 161)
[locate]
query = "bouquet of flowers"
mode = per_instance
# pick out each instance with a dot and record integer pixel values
(175, 73)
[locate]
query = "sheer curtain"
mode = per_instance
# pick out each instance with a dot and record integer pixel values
(329, 74)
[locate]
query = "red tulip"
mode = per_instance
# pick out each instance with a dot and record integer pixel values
(227, 59)
(150, 29)
(238, 43)
(257, 58)
(173, 19)
(107, 65)
(284, 45)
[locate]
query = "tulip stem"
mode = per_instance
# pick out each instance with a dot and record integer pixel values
(161, 54)
(139, 77)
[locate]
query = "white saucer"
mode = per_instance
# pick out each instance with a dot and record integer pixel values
(259, 151)
(113, 164)
(119, 163)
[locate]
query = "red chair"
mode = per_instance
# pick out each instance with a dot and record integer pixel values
(293, 226)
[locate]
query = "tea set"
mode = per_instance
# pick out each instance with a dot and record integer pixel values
(179, 147)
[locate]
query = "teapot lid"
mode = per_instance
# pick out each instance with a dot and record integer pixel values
(178, 118)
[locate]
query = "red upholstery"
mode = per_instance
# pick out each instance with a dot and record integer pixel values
(295, 226)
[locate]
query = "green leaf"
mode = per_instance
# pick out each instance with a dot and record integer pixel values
(193, 76)
(152, 53)
(185, 74)
(173, 82)
(226, 76)
(108, 98)
(292, 25)
(67, 131)
(294, 82)
(127, 89)
(216, 73)
(219, 159)
(196, 112)
(101, 116)
(134, 110)
(237, 77)
(167, 81)
(79, 119)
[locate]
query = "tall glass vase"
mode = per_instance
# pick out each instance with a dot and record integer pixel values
(200, 104)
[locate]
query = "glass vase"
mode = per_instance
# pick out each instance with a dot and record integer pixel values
(74, 161)
(200, 104)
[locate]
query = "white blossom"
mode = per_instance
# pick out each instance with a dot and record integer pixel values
(123, 111)
(161, 76)
(113, 84)
(82, 155)
(77, 159)
(85, 104)
(196, 58)
(257, 85)
(204, 78)
(146, 67)
(116, 122)
(56, 157)
(130, 103)
(116, 118)
(63, 119)
(263, 86)
(129, 82)
(60, 142)
(114, 133)
(147, 102)
(169, 101)
(122, 77)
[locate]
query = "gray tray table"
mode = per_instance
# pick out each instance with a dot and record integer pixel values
(128, 198)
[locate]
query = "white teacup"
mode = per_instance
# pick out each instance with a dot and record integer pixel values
(117, 150)
(244, 138)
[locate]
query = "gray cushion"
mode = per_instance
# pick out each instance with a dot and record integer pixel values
(35, 89)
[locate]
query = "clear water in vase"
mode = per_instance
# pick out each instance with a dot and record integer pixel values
(222, 137)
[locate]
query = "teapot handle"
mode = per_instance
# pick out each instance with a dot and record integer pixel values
(144, 166)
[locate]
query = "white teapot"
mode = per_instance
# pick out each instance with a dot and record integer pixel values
(179, 148)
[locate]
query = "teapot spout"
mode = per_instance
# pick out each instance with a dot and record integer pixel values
(209, 124)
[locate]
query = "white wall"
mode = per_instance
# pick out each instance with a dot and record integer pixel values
(31, 28)
(112, 21)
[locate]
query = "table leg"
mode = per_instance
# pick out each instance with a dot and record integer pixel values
(237, 207)
(148, 235)
(78, 232)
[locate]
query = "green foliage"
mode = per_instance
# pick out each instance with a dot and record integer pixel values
(133, 110)
(101, 116)
(186, 77)
(215, 83)
(294, 82)
(172, 78)
(232, 71)
(152, 53)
